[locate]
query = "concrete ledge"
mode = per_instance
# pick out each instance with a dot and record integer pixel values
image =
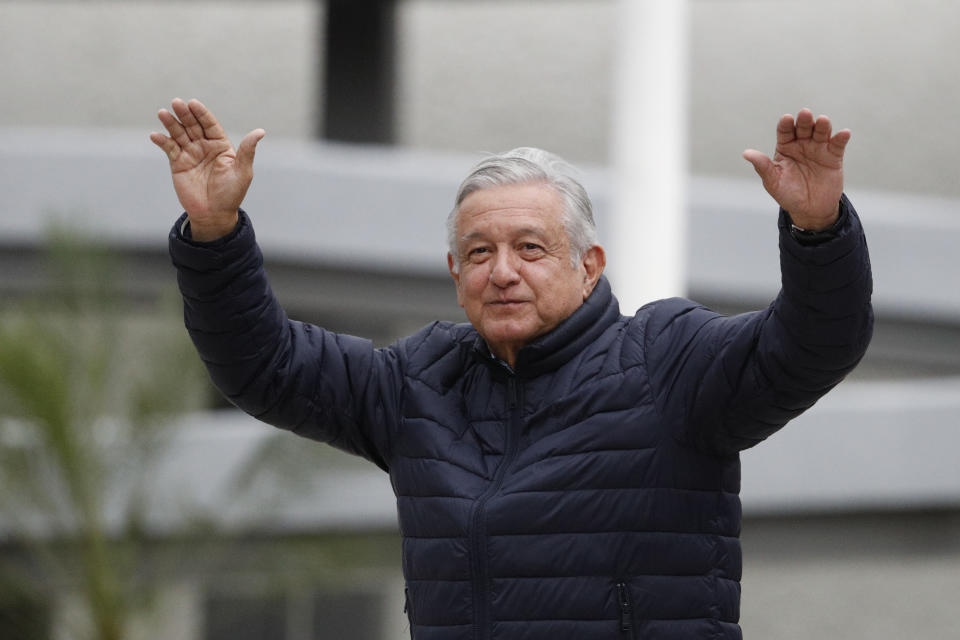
(385, 207)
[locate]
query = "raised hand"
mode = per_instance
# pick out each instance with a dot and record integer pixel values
(209, 176)
(805, 175)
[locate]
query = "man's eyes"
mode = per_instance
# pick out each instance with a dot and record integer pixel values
(531, 250)
(526, 248)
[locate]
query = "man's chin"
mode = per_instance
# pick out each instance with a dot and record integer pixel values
(509, 334)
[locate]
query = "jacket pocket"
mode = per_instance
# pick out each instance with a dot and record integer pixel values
(408, 609)
(625, 603)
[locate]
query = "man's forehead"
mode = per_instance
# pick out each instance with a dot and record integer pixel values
(524, 195)
(510, 223)
(515, 198)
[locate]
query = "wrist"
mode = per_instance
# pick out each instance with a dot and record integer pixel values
(813, 236)
(212, 228)
(815, 223)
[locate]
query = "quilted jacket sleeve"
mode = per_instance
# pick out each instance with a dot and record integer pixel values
(329, 387)
(727, 383)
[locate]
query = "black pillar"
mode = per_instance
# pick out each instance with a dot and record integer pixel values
(358, 87)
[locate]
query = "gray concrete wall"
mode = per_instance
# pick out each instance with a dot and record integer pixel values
(484, 75)
(881, 598)
(878, 576)
(487, 74)
(888, 69)
(113, 63)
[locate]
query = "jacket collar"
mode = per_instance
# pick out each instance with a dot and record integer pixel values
(552, 350)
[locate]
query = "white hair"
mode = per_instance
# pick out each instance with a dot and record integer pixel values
(528, 165)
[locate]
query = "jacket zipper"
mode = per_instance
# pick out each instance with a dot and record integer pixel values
(478, 521)
(626, 611)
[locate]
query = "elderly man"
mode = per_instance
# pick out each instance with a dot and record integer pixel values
(561, 470)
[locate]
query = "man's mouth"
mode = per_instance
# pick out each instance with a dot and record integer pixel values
(507, 305)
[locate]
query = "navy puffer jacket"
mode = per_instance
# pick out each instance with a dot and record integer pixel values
(592, 492)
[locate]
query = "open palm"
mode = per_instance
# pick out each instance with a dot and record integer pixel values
(805, 175)
(209, 176)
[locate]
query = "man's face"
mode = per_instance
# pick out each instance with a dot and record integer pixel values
(515, 280)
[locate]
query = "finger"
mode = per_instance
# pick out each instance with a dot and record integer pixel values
(786, 129)
(822, 129)
(211, 126)
(189, 121)
(173, 127)
(171, 148)
(839, 142)
(761, 162)
(248, 148)
(804, 124)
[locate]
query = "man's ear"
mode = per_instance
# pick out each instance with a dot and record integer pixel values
(594, 260)
(455, 274)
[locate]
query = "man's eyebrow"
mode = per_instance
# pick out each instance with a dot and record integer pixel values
(522, 231)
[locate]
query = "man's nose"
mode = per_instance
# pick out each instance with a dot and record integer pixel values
(505, 271)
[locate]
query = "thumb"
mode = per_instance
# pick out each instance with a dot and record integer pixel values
(764, 166)
(248, 148)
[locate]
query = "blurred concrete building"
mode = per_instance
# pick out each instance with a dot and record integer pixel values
(374, 112)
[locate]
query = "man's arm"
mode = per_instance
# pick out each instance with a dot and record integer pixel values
(727, 383)
(329, 387)
(322, 385)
